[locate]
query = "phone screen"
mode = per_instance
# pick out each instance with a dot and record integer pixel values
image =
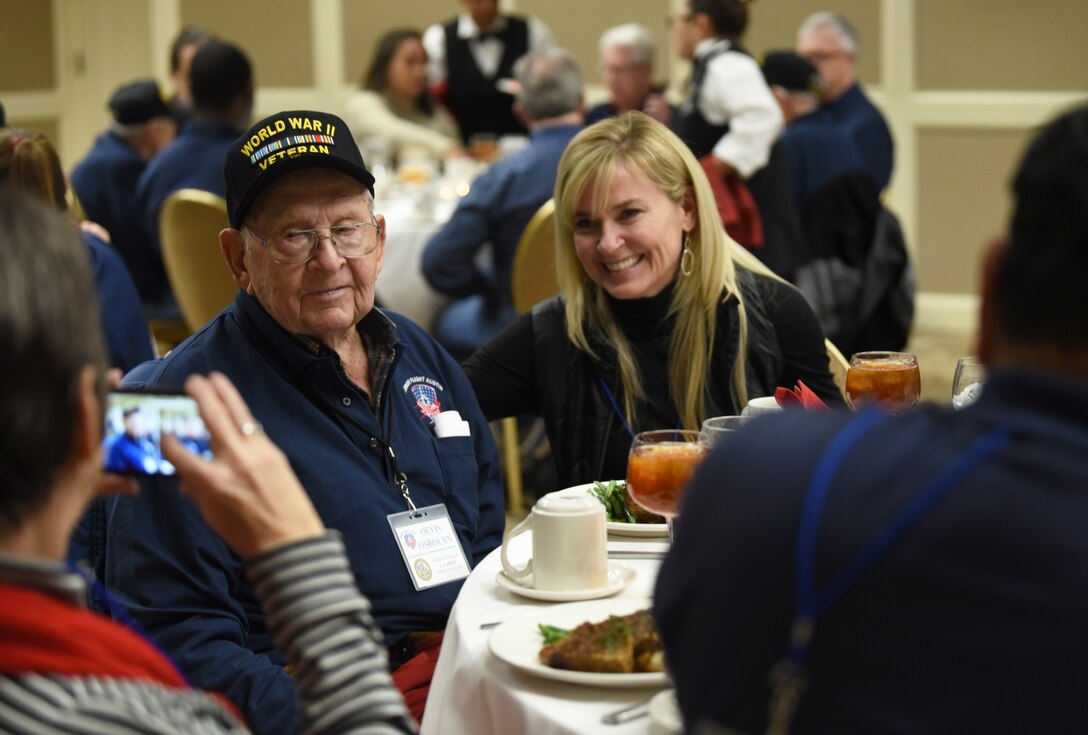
(136, 423)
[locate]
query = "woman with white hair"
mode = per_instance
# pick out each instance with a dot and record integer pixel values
(662, 320)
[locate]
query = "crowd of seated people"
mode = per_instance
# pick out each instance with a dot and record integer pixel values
(663, 318)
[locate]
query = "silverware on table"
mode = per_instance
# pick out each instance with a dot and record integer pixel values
(628, 713)
(487, 626)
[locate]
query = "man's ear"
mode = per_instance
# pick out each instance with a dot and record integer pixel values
(232, 244)
(989, 327)
(519, 113)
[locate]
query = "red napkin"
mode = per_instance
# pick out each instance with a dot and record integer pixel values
(801, 395)
(738, 210)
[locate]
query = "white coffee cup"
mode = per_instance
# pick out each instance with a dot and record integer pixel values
(570, 549)
(760, 406)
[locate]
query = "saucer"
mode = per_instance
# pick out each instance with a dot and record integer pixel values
(619, 576)
(664, 713)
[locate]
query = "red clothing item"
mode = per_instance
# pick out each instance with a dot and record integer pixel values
(738, 210)
(40, 634)
(413, 679)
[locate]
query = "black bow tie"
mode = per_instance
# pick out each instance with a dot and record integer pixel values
(488, 35)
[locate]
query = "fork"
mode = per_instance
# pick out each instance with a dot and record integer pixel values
(626, 714)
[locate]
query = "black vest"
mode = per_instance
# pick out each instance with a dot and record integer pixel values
(478, 106)
(700, 135)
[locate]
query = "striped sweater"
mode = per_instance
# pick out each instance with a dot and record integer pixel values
(318, 619)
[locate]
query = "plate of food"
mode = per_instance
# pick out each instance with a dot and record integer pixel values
(603, 643)
(623, 516)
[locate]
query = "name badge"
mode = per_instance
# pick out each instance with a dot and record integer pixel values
(429, 545)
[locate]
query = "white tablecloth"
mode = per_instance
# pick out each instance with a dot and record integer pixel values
(474, 693)
(401, 286)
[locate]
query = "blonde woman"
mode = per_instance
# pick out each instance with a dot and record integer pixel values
(661, 320)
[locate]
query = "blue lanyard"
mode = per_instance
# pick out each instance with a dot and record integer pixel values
(121, 615)
(618, 412)
(810, 602)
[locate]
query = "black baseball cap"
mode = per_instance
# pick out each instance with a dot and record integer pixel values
(286, 142)
(137, 102)
(791, 72)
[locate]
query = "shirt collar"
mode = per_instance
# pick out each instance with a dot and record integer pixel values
(43, 575)
(467, 28)
(707, 45)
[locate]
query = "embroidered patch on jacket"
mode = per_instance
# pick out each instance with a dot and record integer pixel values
(427, 393)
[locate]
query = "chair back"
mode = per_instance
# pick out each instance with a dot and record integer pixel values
(532, 278)
(838, 364)
(189, 225)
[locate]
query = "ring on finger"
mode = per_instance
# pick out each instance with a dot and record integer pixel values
(249, 428)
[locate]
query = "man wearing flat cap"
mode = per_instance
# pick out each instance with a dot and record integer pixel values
(361, 400)
(105, 180)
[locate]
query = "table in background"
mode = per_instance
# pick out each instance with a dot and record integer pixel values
(475, 693)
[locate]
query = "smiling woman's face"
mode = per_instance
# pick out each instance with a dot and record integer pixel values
(631, 248)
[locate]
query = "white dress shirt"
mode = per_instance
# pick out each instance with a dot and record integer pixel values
(487, 52)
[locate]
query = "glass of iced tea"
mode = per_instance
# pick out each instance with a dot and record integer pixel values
(887, 379)
(659, 467)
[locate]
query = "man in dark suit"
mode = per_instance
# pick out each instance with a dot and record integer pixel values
(921, 573)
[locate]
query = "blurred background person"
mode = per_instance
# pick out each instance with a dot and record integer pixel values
(500, 204)
(731, 122)
(30, 162)
(627, 69)
(221, 79)
(105, 180)
(662, 320)
(394, 108)
(829, 41)
(182, 51)
(472, 64)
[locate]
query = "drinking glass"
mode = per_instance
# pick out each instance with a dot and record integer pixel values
(719, 427)
(888, 379)
(659, 467)
(967, 384)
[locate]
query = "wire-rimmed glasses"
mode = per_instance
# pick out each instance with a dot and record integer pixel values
(293, 247)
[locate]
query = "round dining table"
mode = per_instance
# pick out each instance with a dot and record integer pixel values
(474, 692)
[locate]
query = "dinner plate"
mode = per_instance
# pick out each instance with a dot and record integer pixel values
(620, 529)
(619, 576)
(518, 642)
(665, 714)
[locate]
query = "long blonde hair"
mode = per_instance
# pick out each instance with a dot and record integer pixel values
(637, 141)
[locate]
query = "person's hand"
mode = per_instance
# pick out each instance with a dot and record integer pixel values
(248, 492)
(657, 107)
(95, 229)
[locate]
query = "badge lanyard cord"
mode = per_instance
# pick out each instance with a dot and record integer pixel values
(618, 412)
(788, 678)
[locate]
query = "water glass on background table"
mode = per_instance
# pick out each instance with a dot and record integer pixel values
(888, 379)
(719, 427)
(659, 467)
(967, 384)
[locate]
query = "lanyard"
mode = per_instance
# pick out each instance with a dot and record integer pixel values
(618, 412)
(788, 678)
(122, 615)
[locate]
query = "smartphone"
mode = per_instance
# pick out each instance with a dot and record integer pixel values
(135, 424)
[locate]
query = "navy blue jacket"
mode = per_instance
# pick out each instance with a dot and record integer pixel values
(971, 622)
(860, 118)
(186, 586)
(194, 160)
(105, 182)
(128, 337)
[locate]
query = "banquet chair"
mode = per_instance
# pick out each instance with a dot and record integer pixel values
(532, 279)
(837, 364)
(189, 225)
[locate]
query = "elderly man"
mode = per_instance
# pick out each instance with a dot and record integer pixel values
(221, 79)
(829, 41)
(65, 669)
(627, 69)
(105, 180)
(351, 394)
(502, 201)
(472, 61)
(921, 573)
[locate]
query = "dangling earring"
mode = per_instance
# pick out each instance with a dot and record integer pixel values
(687, 257)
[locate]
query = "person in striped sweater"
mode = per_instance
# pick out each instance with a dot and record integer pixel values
(66, 669)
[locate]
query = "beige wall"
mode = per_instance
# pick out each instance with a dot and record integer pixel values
(961, 81)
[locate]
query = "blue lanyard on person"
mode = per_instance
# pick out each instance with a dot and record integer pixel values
(789, 677)
(619, 413)
(122, 615)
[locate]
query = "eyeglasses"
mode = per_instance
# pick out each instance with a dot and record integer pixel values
(298, 246)
(819, 57)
